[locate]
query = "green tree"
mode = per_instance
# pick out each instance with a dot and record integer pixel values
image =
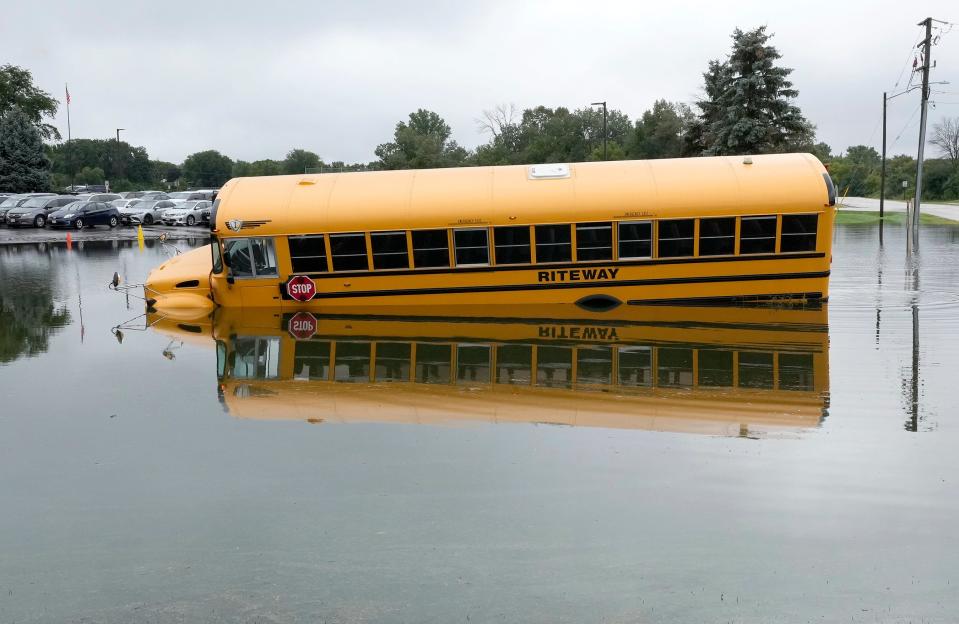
(749, 106)
(618, 129)
(118, 161)
(660, 132)
(299, 161)
(91, 175)
(422, 142)
(18, 91)
(162, 172)
(24, 166)
(265, 167)
(207, 168)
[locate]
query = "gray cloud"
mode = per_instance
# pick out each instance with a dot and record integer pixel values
(254, 80)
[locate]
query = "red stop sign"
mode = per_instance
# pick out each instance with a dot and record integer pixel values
(301, 288)
(302, 325)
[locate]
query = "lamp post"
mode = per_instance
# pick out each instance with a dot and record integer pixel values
(605, 131)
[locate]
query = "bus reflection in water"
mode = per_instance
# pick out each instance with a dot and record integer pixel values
(721, 371)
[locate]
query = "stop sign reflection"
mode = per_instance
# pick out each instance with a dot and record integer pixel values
(302, 325)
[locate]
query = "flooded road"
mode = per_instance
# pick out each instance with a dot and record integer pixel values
(660, 464)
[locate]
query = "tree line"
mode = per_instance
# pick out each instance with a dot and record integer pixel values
(747, 106)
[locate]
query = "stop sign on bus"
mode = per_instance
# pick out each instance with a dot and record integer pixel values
(302, 325)
(301, 288)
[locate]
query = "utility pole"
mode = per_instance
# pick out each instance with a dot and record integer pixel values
(926, 49)
(882, 175)
(605, 130)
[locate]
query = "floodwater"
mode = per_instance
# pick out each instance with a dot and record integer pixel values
(669, 466)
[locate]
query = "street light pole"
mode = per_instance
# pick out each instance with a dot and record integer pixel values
(605, 128)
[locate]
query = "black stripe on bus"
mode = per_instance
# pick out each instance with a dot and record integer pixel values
(564, 285)
(565, 265)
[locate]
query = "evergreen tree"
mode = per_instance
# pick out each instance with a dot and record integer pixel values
(749, 107)
(24, 166)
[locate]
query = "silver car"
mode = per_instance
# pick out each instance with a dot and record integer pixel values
(15, 200)
(145, 211)
(186, 213)
(34, 211)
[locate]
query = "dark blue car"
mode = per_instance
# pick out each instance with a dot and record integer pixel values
(81, 214)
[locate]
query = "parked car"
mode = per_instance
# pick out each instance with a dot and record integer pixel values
(81, 214)
(145, 211)
(131, 194)
(186, 213)
(155, 195)
(35, 210)
(98, 197)
(120, 204)
(191, 195)
(15, 200)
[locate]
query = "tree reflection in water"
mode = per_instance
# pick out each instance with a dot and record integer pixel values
(28, 314)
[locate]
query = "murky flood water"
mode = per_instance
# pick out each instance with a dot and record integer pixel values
(652, 465)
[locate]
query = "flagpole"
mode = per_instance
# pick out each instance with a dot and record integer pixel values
(67, 87)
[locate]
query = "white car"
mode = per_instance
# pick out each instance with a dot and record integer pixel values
(186, 213)
(145, 211)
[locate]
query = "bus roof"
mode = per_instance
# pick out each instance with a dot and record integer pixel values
(522, 194)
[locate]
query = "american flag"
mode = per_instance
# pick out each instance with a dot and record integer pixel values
(68, 93)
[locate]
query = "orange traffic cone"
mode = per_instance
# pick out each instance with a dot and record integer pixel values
(69, 241)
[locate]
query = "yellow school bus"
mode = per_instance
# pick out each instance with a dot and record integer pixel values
(748, 371)
(599, 234)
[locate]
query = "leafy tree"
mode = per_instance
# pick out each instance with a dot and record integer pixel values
(118, 161)
(17, 91)
(749, 107)
(618, 128)
(299, 161)
(24, 166)
(266, 167)
(207, 168)
(422, 142)
(91, 175)
(164, 172)
(660, 133)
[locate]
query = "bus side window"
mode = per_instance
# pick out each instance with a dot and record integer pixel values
(676, 238)
(717, 237)
(594, 241)
(431, 249)
(349, 252)
(308, 254)
(511, 244)
(799, 232)
(389, 250)
(553, 243)
(757, 235)
(635, 239)
(472, 248)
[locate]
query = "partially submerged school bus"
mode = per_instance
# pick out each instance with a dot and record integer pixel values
(599, 234)
(748, 371)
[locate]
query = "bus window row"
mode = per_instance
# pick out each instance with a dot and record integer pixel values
(555, 243)
(549, 365)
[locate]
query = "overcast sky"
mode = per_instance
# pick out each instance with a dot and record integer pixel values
(254, 80)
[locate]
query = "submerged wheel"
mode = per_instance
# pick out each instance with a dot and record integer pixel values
(78, 224)
(148, 219)
(39, 221)
(114, 222)
(191, 220)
